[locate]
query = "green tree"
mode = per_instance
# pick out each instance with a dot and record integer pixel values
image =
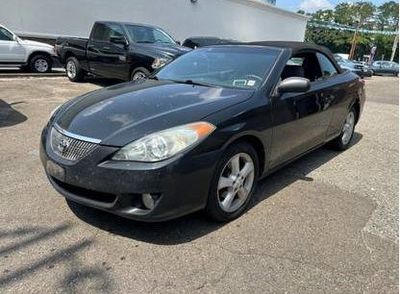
(360, 15)
(388, 16)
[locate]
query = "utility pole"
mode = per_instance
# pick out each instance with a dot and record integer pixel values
(353, 44)
(394, 48)
(396, 41)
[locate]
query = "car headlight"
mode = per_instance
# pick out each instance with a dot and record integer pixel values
(160, 62)
(165, 144)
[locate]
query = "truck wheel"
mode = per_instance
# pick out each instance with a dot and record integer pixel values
(74, 70)
(40, 63)
(139, 74)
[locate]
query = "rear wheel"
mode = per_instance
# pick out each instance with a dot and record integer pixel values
(139, 73)
(234, 183)
(74, 70)
(40, 63)
(343, 141)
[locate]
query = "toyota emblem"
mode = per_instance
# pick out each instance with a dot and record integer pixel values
(63, 145)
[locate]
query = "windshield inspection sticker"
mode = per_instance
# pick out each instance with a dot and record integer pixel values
(239, 83)
(251, 83)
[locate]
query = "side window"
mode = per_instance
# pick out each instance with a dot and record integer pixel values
(5, 35)
(293, 68)
(304, 65)
(115, 31)
(103, 32)
(296, 61)
(161, 37)
(99, 32)
(327, 68)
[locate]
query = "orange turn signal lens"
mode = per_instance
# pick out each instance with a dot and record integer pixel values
(203, 129)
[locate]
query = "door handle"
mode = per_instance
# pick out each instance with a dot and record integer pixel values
(106, 48)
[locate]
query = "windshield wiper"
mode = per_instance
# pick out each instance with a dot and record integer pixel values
(191, 82)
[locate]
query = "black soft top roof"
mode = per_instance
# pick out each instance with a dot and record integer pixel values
(298, 48)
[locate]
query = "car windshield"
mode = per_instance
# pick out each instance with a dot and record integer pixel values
(240, 67)
(142, 34)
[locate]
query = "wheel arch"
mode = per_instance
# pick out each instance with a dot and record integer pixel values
(258, 146)
(357, 106)
(36, 53)
(68, 54)
(136, 65)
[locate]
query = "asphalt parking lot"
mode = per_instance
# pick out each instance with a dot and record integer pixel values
(327, 223)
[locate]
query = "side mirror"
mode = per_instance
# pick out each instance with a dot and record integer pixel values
(294, 85)
(119, 40)
(178, 42)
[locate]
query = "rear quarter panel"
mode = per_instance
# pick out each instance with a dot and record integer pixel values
(72, 46)
(348, 90)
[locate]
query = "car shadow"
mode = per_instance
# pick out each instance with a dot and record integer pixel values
(31, 239)
(101, 82)
(191, 227)
(9, 116)
(18, 71)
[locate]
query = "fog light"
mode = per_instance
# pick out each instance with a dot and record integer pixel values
(148, 201)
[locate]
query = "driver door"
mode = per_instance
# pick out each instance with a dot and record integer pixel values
(106, 58)
(301, 120)
(10, 50)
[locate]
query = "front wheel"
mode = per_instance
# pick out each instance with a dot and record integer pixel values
(234, 183)
(40, 64)
(343, 141)
(139, 73)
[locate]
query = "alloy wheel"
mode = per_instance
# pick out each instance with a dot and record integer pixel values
(236, 182)
(138, 76)
(348, 128)
(71, 69)
(41, 65)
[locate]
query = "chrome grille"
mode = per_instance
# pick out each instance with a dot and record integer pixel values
(68, 147)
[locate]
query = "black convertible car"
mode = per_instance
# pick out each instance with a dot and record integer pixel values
(202, 131)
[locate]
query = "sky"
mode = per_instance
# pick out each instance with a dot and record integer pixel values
(313, 5)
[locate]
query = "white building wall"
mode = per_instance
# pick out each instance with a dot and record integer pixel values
(245, 20)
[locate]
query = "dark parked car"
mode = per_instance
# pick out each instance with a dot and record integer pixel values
(124, 51)
(355, 67)
(196, 42)
(202, 131)
(385, 68)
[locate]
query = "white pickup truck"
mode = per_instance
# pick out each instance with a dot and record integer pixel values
(15, 52)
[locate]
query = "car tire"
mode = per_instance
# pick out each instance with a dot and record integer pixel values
(233, 183)
(74, 70)
(343, 141)
(40, 63)
(139, 73)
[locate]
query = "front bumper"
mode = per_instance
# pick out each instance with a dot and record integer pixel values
(181, 185)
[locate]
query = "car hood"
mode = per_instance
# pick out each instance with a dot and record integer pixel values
(36, 44)
(159, 49)
(120, 114)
